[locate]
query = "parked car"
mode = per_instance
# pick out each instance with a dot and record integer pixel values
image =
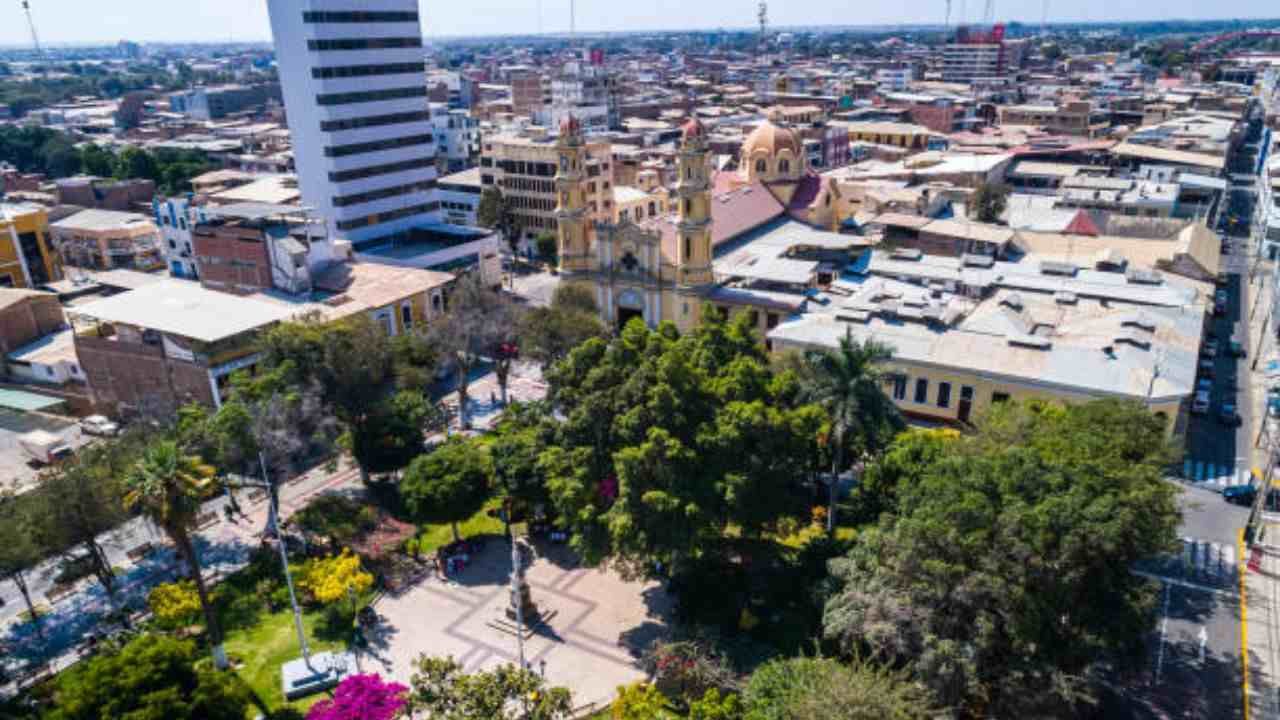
(1222, 278)
(1228, 415)
(99, 425)
(1204, 385)
(1240, 494)
(1200, 405)
(1206, 367)
(1237, 349)
(44, 447)
(1209, 348)
(1220, 296)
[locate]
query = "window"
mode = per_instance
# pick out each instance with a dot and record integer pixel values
(688, 206)
(999, 397)
(771, 320)
(944, 395)
(899, 387)
(653, 209)
(378, 145)
(374, 121)
(688, 247)
(347, 71)
(357, 16)
(406, 316)
(966, 393)
(375, 170)
(387, 217)
(762, 166)
(364, 43)
(382, 193)
(922, 390)
(784, 166)
(351, 98)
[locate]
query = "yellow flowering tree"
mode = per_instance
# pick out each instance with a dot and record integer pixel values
(174, 604)
(332, 578)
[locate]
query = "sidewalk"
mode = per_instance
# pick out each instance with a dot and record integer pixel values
(1260, 629)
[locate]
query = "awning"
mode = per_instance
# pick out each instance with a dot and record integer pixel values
(27, 401)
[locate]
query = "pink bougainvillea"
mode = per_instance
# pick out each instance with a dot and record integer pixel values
(361, 697)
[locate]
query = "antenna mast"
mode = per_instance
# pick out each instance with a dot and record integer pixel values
(35, 39)
(947, 23)
(762, 14)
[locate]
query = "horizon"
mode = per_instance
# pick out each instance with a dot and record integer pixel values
(245, 21)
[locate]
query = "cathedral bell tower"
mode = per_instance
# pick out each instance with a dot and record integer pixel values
(693, 193)
(571, 199)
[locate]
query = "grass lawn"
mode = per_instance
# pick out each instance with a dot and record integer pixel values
(268, 644)
(433, 537)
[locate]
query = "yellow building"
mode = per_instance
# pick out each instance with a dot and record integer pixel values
(524, 169)
(903, 135)
(400, 299)
(27, 259)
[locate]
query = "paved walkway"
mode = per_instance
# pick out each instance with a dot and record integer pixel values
(597, 624)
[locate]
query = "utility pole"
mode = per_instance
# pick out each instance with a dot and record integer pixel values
(573, 22)
(273, 522)
(762, 15)
(35, 39)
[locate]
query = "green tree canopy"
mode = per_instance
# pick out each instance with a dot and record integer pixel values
(988, 202)
(547, 334)
(669, 440)
(442, 691)
(151, 677)
(825, 689)
(449, 484)
(1007, 562)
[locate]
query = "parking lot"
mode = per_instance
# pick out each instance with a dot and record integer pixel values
(17, 472)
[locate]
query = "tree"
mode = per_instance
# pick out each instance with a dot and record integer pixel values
(989, 201)
(495, 212)
(443, 691)
(449, 484)
(337, 578)
(547, 334)
(848, 385)
(97, 160)
(905, 459)
(134, 163)
(824, 689)
(547, 245)
(1007, 563)
(18, 551)
(362, 697)
(479, 322)
(174, 604)
(640, 701)
(167, 486)
(523, 433)
(669, 441)
(79, 501)
(153, 676)
(391, 434)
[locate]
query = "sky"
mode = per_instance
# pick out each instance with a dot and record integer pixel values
(60, 22)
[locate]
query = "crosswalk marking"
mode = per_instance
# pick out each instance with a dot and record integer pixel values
(1214, 475)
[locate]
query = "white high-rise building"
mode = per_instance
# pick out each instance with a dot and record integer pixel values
(352, 77)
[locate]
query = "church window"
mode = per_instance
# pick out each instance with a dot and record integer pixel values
(653, 209)
(761, 166)
(629, 262)
(688, 206)
(784, 166)
(688, 248)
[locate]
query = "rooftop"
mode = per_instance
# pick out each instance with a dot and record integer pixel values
(183, 308)
(94, 220)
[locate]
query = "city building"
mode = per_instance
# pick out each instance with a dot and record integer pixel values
(524, 169)
(1077, 117)
(27, 255)
(252, 247)
(87, 191)
(177, 218)
(460, 196)
(26, 316)
(217, 102)
(355, 96)
(457, 138)
(106, 239)
(151, 350)
(976, 57)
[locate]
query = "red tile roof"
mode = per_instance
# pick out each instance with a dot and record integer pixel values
(732, 213)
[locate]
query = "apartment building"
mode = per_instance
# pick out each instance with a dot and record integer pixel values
(252, 247)
(216, 102)
(104, 194)
(524, 168)
(460, 196)
(354, 91)
(1078, 118)
(167, 343)
(177, 217)
(457, 138)
(27, 256)
(974, 62)
(529, 92)
(106, 240)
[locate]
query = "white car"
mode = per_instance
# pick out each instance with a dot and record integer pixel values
(98, 425)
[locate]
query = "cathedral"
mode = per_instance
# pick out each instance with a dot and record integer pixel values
(662, 269)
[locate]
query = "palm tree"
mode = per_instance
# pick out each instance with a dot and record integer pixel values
(847, 384)
(167, 486)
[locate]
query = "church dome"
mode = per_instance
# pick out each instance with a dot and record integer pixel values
(769, 139)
